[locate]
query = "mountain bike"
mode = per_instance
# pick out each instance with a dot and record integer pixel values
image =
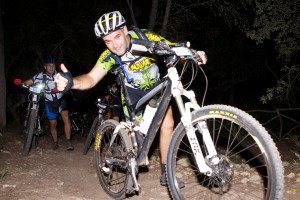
(32, 122)
(36, 123)
(213, 147)
(103, 110)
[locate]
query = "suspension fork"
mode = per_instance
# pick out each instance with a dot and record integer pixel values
(186, 119)
(35, 106)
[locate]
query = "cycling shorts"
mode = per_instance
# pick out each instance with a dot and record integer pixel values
(53, 109)
(135, 95)
(50, 115)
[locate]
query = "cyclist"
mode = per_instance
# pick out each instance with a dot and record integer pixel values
(111, 28)
(54, 102)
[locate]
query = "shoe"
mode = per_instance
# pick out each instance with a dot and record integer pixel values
(163, 181)
(55, 145)
(69, 145)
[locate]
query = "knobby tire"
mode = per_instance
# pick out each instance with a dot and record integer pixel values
(113, 178)
(30, 131)
(250, 166)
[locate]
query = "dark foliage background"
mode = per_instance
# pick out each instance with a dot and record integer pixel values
(242, 63)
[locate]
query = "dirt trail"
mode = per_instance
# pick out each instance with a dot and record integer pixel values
(48, 174)
(61, 174)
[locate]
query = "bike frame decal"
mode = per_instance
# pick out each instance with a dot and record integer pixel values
(221, 112)
(97, 138)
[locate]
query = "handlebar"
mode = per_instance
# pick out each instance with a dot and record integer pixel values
(146, 43)
(154, 47)
(181, 50)
(36, 88)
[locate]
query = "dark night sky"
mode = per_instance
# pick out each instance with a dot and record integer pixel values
(34, 28)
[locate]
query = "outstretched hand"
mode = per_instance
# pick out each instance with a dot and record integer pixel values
(64, 79)
(203, 57)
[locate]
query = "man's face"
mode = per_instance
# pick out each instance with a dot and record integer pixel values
(118, 41)
(50, 68)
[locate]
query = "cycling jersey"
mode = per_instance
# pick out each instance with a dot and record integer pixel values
(53, 101)
(139, 66)
(50, 84)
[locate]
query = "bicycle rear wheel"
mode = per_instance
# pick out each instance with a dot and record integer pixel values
(91, 135)
(29, 131)
(250, 166)
(111, 159)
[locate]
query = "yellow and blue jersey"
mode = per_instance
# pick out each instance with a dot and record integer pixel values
(139, 66)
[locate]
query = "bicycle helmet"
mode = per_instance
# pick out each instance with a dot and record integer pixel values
(48, 60)
(108, 23)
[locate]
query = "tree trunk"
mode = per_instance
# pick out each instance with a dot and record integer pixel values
(2, 77)
(166, 17)
(129, 3)
(153, 13)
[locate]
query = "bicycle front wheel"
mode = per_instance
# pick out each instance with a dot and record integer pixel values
(29, 131)
(249, 165)
(111, 159)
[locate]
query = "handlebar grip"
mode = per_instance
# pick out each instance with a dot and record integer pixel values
(54, 90)
(18, 82)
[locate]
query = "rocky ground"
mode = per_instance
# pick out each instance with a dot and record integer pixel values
(47, 174)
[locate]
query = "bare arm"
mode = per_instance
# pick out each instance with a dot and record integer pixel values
(89, 80)
(82, 82)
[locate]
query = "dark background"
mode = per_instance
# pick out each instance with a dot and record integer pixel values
(239, 70)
